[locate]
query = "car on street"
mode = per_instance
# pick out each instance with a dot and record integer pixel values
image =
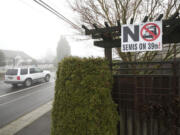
(26, 76)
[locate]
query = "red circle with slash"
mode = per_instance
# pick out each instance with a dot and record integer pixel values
(152, 34)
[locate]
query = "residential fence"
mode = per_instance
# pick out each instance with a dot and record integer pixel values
(147, 94)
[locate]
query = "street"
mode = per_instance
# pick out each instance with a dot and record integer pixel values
(16, 102)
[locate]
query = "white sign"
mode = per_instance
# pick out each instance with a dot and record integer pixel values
(141, 37)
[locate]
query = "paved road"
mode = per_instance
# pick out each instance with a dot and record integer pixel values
(19, 101)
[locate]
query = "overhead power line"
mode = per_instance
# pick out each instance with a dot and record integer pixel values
(52, 10)
(55, 12)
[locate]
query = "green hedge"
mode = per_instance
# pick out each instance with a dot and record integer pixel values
(83, 103)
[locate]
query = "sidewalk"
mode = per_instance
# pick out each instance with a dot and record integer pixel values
(37, 122)
(41, 126)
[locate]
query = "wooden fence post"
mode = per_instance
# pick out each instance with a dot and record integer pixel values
(108, 56)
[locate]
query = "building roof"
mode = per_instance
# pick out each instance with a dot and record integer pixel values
(13, 54)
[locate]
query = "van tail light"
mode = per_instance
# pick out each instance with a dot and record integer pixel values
(18, 78)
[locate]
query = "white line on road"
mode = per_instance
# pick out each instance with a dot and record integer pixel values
(23, 97)
(23, 90)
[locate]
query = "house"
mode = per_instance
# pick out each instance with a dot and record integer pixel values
(15, 58)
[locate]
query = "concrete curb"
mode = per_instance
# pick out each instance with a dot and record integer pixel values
(25, 120)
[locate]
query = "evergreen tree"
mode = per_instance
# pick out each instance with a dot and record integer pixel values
(63, 49)
(2, 59)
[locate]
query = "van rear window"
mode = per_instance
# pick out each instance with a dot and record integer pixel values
(12, 72)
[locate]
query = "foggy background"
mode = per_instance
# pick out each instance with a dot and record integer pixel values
(26, 26)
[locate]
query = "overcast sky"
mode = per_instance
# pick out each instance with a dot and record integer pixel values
(26, 26)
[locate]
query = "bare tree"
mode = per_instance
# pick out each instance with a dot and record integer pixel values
(49, 57)
(100, 11)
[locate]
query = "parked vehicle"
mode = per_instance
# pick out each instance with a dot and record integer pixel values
(26, 76)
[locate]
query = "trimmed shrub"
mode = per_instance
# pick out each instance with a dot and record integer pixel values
(83, 104)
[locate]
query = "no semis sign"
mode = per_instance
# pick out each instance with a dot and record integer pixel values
(141, 37)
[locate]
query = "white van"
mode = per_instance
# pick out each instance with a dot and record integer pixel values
(26, 76)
